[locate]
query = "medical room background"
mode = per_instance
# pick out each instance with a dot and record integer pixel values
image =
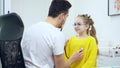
(107, 26)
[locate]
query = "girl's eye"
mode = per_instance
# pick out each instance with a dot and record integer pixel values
(78, 24)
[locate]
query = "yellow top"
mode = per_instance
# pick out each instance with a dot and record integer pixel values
(89, 52)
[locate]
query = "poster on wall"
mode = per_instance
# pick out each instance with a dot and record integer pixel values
(113, 7)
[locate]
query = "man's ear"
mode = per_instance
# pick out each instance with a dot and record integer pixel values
(61, 16)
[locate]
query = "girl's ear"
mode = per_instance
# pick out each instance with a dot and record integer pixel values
(87, 26)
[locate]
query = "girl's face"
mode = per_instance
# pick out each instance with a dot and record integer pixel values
(79, 25)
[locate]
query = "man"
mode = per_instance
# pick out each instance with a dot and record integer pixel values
(43, 43)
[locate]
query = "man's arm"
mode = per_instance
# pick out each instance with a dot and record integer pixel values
(61, 63)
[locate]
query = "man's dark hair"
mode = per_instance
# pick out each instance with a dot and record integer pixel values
(58, 6)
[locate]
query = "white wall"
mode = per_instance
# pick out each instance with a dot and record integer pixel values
(5, 6)
(31, 11)
(1, 7)
(107, 27)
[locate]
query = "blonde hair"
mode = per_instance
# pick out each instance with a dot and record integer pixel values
(88, 20)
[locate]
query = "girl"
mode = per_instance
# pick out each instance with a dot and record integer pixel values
(85, 40)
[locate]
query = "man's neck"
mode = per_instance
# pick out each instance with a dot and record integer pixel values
(52, 21)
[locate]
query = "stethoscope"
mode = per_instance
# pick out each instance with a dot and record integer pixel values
(81, 49)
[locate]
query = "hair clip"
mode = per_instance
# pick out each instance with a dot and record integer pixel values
(90, 28)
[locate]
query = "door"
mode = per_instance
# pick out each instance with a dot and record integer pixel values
(5, 6)
(1, 7)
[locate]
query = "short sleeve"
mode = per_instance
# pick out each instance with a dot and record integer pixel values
(59, 43)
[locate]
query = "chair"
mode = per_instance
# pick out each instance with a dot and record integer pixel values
(11, 31)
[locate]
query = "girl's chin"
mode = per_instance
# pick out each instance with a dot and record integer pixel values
(78, 32)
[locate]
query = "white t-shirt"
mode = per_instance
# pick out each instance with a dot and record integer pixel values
(39, 43)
